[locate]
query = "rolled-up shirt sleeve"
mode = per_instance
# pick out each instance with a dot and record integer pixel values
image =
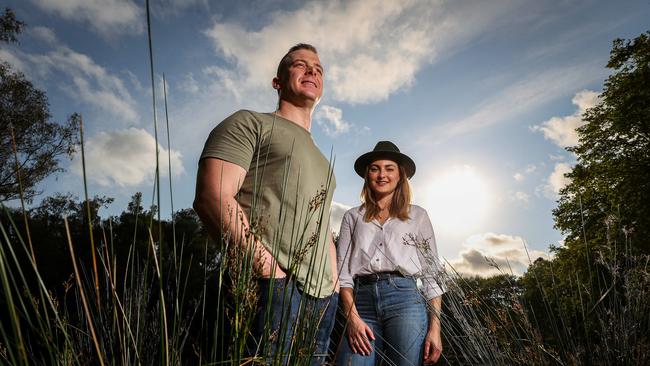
(431, 274)
(344, 250)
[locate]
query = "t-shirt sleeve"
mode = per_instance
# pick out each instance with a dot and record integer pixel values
(234, 140)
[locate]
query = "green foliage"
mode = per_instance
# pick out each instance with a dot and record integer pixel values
(610, 186)
(39, 141)
(10, 26)
(590, 292)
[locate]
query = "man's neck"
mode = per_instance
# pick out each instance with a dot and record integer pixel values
(297, 114)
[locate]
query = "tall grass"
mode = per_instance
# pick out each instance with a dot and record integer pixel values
(165, 299)
(505, 320)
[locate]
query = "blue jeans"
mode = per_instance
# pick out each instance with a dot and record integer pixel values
(291, 327)
(396, 312)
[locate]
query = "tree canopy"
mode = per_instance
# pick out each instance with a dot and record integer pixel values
(39, 141)
(607, 199)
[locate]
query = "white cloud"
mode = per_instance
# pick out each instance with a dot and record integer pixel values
(364, 62)
(336, 215)
(188, 84)
(44, 34)
(557, 180)
(89, 81)
(522, 196)
(10, 58)
(520, 177)
(125, 158)
(107, 17)
(225, 79)
(507, 252)
(166, 8)
(518, 98)
(330, 119)
(562, 130)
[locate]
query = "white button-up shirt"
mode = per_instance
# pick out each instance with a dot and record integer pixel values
(409, 247)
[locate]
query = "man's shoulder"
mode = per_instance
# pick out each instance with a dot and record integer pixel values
(246, 115)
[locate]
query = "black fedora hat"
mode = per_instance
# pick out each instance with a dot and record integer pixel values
(384, 150)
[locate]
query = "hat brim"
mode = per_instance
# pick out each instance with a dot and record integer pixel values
(401, 159)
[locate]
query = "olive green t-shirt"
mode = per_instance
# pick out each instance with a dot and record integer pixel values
(286, 194)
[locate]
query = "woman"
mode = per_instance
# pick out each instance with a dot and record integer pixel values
(384, 246)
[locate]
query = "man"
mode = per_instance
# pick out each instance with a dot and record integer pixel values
(264, 186)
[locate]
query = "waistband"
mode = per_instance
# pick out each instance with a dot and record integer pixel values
(376, 277)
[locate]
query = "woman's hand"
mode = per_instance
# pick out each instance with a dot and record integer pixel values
(359, 336)
(432, 346)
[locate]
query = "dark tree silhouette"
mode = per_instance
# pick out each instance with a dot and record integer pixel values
(24, 112)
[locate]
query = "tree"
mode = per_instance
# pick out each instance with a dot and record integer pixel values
(10, 26)
(39, 141)
(592, 293)
(606, 202)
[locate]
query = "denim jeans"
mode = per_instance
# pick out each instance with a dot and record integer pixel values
(289, 324)
(396, 312)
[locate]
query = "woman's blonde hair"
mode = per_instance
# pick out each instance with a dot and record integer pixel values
(399, 206)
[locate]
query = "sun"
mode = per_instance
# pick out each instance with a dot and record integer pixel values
(458, 200)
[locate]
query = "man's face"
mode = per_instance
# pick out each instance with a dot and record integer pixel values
(304, 79)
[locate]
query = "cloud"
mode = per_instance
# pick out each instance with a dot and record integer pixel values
(125, 158)
(165, 8)
(188, 84)
(9, 57)
(88, 81)
(522, 196)
(364, 63)
(336, 215)
(330, 119)
(44, 34)
(519, 177)
(517, 98)
(562, 130)
(106, 17)
(225, 79)
(507, 252)
(556, 181)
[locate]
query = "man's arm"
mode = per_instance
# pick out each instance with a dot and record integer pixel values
(334, 266)
(217, 184)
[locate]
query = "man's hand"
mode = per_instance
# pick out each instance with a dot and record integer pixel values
(217, 184)
(269, 267)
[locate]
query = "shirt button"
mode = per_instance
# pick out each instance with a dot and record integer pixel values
(380, 244)
(377, 259)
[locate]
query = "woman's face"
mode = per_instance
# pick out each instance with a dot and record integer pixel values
(383, 176)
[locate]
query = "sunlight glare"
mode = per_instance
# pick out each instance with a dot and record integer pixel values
(458, 200)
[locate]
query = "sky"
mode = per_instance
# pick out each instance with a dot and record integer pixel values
(483, 95)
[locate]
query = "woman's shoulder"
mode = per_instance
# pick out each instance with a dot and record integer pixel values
(416, 211)
(354, 211)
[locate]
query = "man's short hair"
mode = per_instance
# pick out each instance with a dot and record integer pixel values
(287, 60)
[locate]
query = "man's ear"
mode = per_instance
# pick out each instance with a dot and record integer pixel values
(276, 83)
